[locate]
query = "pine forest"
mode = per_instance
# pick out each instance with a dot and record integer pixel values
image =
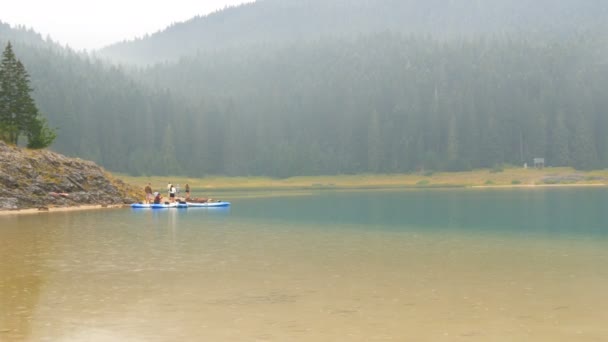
(363, 97)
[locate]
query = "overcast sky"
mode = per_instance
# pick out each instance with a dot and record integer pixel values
(91, 24)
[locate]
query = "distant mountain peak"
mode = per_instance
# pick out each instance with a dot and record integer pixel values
(276, 21)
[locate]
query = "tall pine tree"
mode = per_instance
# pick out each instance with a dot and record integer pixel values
(18, 111)
(9, 130)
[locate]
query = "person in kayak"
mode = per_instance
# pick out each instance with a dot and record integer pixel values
(157, 198)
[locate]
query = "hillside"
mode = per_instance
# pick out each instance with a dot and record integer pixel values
(283, 21)
(386, 103)
(23, 35)
(43, 179)
(98, 110)
(378, 103)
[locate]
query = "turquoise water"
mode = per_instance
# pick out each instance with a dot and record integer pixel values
(453, 265)
(546, 212)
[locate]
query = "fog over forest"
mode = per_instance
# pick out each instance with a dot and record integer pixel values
(284, 87)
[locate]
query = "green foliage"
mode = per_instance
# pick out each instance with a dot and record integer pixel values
(357, 101)
(423, 182)
(39, 134)
(515, 182)
(18, 112)
(9, 96)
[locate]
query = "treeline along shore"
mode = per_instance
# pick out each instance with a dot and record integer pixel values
(347, 87)
(42, 180)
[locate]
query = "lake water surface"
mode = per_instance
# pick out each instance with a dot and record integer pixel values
(455, 265)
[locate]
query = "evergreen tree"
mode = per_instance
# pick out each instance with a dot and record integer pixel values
(8, 96)
(26, 112)
(18, 111)
(39, 135)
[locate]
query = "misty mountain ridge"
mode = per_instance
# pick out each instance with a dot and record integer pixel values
(276, 21)
(378, 102)
(23, 35)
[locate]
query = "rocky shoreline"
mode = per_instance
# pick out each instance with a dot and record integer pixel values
(44, 180)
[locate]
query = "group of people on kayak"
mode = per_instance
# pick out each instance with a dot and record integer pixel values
(172, 191)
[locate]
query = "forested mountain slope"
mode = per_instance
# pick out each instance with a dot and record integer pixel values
(390, 103)
(272, 21)
(382, 102)
(22, 35)
(100, 113)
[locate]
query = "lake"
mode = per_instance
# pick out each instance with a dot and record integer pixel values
(428, 265)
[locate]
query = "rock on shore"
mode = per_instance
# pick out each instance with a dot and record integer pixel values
(43, 179)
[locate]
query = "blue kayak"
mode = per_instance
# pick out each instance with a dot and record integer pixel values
(180, 205)
(153, 206)
(208, 205)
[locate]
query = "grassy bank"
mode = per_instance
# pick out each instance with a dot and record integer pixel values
(513, 177)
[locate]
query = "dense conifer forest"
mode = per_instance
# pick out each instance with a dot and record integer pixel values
(453, 85)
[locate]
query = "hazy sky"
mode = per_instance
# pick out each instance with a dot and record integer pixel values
(90, 24)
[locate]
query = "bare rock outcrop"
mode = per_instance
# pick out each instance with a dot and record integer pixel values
(42, 178)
